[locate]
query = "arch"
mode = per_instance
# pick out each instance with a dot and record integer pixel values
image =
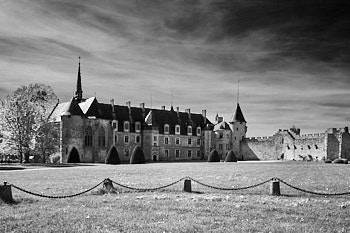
(112, 156)
(73, 156)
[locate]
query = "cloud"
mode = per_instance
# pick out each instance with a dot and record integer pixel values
(291, 56)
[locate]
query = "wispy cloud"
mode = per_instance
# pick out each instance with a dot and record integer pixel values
(292, 57)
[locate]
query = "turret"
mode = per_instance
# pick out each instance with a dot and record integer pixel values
(239, 130)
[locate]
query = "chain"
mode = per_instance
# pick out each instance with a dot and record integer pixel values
(48, 196)
(311, 192)
(230, 189)
(148, 189)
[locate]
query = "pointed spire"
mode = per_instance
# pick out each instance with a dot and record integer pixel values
(238, 117)
(79, 92)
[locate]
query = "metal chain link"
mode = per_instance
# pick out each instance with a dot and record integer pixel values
(311, 192)
(230, 189)
(148, 189)
(48, 196)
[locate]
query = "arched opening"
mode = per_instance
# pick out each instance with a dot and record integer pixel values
(154, 157)
(73, 156)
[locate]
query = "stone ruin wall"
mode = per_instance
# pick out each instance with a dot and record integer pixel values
(308, 147)
(260, 148)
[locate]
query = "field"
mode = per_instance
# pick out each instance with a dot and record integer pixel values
(170, 209)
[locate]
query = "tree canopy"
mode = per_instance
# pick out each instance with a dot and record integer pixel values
(24, 119)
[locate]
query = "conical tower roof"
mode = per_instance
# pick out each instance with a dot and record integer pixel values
(238, 117)
(72, 108)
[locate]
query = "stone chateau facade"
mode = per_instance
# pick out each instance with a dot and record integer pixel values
(89, 129)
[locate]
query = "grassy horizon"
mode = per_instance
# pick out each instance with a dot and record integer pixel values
(171, 210)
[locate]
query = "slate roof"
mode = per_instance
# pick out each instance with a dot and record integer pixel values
(223, 125)
(238, 117)
(91, 107)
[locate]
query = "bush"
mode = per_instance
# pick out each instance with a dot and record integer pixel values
(338, 161)
(231, 157)
(112, 156)
(345, 161)
(55, 158)
(328, 161)
(137, 156)
(214, 156)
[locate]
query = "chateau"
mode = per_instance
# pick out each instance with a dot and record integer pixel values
(89, 129)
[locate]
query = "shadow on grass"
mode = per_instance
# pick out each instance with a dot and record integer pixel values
(18, 201)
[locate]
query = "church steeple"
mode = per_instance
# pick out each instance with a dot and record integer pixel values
(79, 91)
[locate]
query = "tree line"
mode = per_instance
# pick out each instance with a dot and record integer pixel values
(26, 127)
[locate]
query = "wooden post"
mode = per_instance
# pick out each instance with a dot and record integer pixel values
(275, 188)
(187, 186)
(6, 193)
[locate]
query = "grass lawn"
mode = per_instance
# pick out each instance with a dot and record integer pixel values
(171, 210)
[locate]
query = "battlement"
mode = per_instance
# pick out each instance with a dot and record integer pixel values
(259, 138)
(314, 135)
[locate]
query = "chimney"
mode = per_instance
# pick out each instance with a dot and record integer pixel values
(163, 107)
(112, 104)
(128, 104)
(188, 110)
(142, 105)
(178, 111)
(204, 114)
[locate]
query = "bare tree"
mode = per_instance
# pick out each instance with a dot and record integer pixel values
(24, 114)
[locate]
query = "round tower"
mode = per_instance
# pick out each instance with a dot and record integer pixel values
(239, 130)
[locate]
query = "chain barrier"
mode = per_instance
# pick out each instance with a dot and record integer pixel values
(149, 189)
(311, 192)
(49, 196)
(230, 189)
(173, 183)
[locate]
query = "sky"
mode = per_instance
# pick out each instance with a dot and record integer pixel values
(291, 57)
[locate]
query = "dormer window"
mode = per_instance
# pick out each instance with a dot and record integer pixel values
(126, 126)
(198, 131)
(189, 130)
(137, 127)
(166, 129)
(115, 125)
(177, 129)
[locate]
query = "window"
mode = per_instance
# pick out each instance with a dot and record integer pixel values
(126, 126)
(115, 125)
(137, 127)
(220, 146)
(198, 131)
(198, 153)
(177, 141)
(101, 137)
(189, 141)
(189, 130)
(309, 147)
(198, 141)
(126, 139)
(177, 129)
(221, 135)
(166, 129)
(189, 153)
(166, 140)
(177, 153)
(166, 153)
(126, 152)
(155, 140)
(316, 147)
(88, 136)
(228, 136)
(227, 146)
(115, 138)
(137, 139)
